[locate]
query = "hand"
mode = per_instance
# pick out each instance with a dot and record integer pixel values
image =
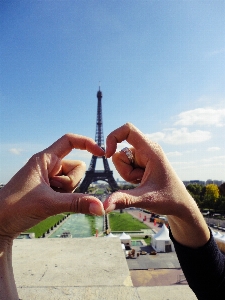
(160, 190)
(43, 187)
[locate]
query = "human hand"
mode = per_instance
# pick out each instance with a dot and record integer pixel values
(160, 189)
(30, 196)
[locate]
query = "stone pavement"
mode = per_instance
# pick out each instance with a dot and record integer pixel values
(159, 277)
(86, 268)
(159, 261)
(162, 269)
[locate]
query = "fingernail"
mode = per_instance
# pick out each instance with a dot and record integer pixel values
(96, 209)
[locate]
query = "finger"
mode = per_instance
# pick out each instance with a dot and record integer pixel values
(63, 184)
(70, 175)
(126, 132)
(69, 141)
(129, 172)
(123, 199)
(78, 203)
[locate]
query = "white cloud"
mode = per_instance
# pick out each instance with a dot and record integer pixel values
(210, 162)
(202, 116)
(156, 136)
(184, 164)
(212, 149)
(190, 151)
(172, 154)
(214, 159)
(16, 151)
(180, 136)
(19, 148)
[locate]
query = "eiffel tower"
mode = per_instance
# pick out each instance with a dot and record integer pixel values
(91, 174)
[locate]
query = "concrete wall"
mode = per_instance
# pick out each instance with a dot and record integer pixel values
(88, 268)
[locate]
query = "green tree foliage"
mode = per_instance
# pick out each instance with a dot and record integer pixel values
(197, 191)
(222, 189)
(209, 197)
(219, 205)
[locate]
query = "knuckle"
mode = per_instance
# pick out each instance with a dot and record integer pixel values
(129, 124)
(82, 164)
(73, 206)
(66, 138)
(78, 205)
(67, 135)
(123, 200)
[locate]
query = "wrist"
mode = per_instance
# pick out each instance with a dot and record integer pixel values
(190, 229)
(5, 244)
(7, 283)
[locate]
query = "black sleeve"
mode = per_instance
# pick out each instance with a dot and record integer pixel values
(204, 269)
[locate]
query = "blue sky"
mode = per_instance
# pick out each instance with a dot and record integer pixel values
(161, 65)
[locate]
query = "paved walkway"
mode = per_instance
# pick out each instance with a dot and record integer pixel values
(159, 261)
(162, 269)
(161, 277)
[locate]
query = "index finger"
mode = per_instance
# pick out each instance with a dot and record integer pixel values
(126, 132)
(69, 141)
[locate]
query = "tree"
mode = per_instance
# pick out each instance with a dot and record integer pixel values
(211, 196)
(222, 189)
(197, 191)
(220, 204)
(212, 192)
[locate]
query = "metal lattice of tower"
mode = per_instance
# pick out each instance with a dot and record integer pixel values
(92, 174)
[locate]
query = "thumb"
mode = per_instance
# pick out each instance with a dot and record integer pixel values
(79, 203)
(123, 199)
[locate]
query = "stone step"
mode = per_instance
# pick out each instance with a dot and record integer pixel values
(107, 293)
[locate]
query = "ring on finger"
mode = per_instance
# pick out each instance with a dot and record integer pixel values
(129, 154)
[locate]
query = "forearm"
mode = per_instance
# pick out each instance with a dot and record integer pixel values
(204, 269)
(7, 283)
(190, 228)
(199, 257)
